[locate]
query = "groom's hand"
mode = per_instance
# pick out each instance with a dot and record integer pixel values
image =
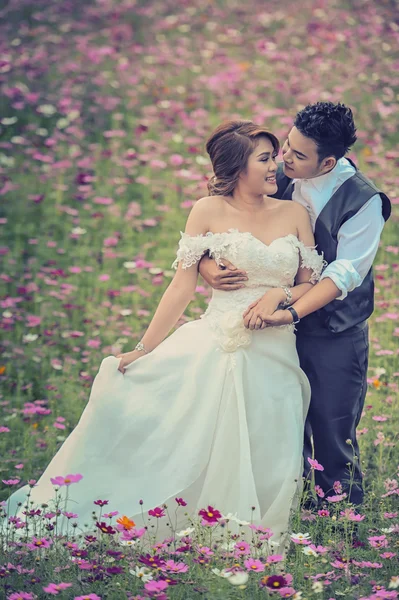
(280, 317)
(224, 276)
(263, 308)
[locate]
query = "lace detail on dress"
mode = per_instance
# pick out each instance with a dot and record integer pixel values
(311, 259)
(267, 266)
(190, 250)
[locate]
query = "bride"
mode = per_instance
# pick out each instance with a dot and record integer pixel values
(215, 412)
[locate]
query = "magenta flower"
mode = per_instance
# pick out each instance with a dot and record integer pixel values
(101, 502)
(56, 588)
(10, 481)
(105, 528)
(21, 596)
(255, 565)
(68, 480)
(323, 513)
(319, 491)
(315, 464)
(181, 502)
(210, 515)
(88, 597)
(157, 512)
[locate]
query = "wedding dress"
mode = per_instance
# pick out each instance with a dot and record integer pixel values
(214, 414)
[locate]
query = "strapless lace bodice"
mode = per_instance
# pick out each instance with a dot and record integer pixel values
(267, 266)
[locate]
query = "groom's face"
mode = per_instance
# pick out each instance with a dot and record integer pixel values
(301, 160)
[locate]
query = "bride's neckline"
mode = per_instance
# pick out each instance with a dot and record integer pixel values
(233, 230)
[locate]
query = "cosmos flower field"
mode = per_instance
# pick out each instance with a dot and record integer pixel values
(105, 108)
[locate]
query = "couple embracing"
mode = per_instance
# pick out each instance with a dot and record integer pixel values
(223, 411)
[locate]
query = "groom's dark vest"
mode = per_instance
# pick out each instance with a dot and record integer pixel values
(339, 315)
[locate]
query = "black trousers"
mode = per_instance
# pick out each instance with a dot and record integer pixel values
(336, 366)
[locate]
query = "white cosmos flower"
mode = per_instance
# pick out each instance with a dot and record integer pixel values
(309, 551)
(125, 312)
(318, 587)
(228, 546)
(128, 542)
(222, 573)
(231, 517)
(394, 582)
(185, 532)
(129, 264)
(389, 530)
(30, 337)
(78, 231)
(142, 572)
(300, 536)
(240, 578)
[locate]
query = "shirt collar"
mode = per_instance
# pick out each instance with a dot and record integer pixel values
(323, 181)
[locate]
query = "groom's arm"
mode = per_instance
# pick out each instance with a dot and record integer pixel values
(358, 241)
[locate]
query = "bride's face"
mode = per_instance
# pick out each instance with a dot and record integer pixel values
(260, 175)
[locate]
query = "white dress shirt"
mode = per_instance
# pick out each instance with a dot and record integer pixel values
(358, 237)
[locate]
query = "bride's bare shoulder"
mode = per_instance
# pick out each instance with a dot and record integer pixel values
(209, 204)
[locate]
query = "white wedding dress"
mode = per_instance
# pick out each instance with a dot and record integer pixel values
(214, 414)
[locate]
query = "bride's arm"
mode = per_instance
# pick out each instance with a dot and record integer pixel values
(178, 294)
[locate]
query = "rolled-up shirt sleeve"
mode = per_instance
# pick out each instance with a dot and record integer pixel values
(358, 241)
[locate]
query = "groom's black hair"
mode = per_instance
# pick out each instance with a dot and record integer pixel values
(330, 126)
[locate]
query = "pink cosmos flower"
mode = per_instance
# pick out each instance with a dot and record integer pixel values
(55, 588)
(337, 487)
(378, 541)
(10, 481)
(38, 543)
(68, 480)
(323, 513)
(88, 597)
(255, 565)
(21, 596)
(315, 464)
(242, 548)
(174, 567)
(286, 592)
(319, 491)
(349, 514)
(156, 586)
(336, 498)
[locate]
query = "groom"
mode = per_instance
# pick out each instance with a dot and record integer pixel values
(347, 213)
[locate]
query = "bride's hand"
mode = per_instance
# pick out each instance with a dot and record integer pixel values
(263, 308)
(127, 358)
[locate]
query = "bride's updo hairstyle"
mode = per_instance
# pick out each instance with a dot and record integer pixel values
(229, 148)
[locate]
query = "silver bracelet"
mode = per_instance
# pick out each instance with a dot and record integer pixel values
(288, 294)
(140, 348)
